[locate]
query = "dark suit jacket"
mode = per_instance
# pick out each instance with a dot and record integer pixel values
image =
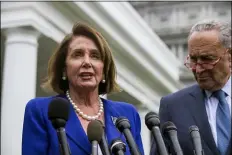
(186, 108)
(40, 138)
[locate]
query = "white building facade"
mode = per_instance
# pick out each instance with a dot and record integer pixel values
(171, 21)
(146, 68)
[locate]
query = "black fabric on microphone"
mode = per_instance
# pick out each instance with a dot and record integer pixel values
(169, 131)
(196, 140)
(117, 147)
(123, 125)
(58, 113)
(95, 132)
(152, 122)
(103, 143)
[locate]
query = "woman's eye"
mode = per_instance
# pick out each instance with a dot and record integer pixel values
(96, 56)
(76, 54)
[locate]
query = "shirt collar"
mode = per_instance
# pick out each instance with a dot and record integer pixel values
(226, 89)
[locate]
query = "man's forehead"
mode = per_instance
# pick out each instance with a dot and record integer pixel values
(204, 36)
(204, 40)
(200, 45)
(204, 48)
(201, 53)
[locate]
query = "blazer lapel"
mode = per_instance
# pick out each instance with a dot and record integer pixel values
(229, 148)
(229, 152)
(110, 117)
(76, 133)
(200, 116)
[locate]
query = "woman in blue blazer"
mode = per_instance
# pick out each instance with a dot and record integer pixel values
(81, 69)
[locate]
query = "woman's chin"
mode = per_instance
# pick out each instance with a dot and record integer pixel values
(88, 85)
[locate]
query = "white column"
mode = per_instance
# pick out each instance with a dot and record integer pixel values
(19, 85)
(175, 18)
(145, 133)
(203, 12)
(180, 52)
(173, 49)
(182, 20)
(210, 10)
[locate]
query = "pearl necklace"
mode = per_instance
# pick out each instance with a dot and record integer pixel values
(80, 113)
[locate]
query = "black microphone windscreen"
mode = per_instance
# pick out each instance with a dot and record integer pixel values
(115, 140)
(58, 111)
(95, 131)
(116, 145)
(122, 123)
(193, 128)
(167, 126)
(151, 120)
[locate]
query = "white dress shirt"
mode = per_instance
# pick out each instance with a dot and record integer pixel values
(211, 107)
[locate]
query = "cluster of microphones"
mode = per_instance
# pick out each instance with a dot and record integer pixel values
(58, 113)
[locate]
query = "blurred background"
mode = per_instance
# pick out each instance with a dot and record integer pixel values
(148, 40)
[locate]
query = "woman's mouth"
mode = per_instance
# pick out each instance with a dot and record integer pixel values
(86, 76)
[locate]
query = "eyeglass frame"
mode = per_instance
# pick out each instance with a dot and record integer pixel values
(213, 63)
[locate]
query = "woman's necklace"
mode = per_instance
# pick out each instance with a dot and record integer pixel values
(81, 114)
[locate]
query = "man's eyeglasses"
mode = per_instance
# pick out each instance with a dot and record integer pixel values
(206, 62)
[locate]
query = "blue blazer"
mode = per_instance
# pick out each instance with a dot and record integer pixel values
(40, 138)
(185, 108)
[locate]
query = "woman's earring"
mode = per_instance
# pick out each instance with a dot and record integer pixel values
(64, 77)
(103, 81)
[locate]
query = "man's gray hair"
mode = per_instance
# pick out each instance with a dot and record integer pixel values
(223, 28)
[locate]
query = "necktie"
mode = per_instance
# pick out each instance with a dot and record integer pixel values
(223, 122)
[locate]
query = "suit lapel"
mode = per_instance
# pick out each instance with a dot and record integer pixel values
(229, 148)
(76, 133)
(200, 116)
(110, 117)
(229, 152)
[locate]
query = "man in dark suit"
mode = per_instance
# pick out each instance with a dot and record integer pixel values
(206, 104)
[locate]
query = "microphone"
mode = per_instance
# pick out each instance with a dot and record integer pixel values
(169, 131)
(95, 132)
(58, 112)
(103, 144)
(152, 122)
(117, 147)
(123, 125)
(196, 140)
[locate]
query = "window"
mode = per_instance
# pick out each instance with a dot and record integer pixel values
(185, 50)
(192, 16)
(222, 13)
(163, 19)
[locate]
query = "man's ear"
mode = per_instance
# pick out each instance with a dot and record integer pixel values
(229, 58)
(230, 53)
